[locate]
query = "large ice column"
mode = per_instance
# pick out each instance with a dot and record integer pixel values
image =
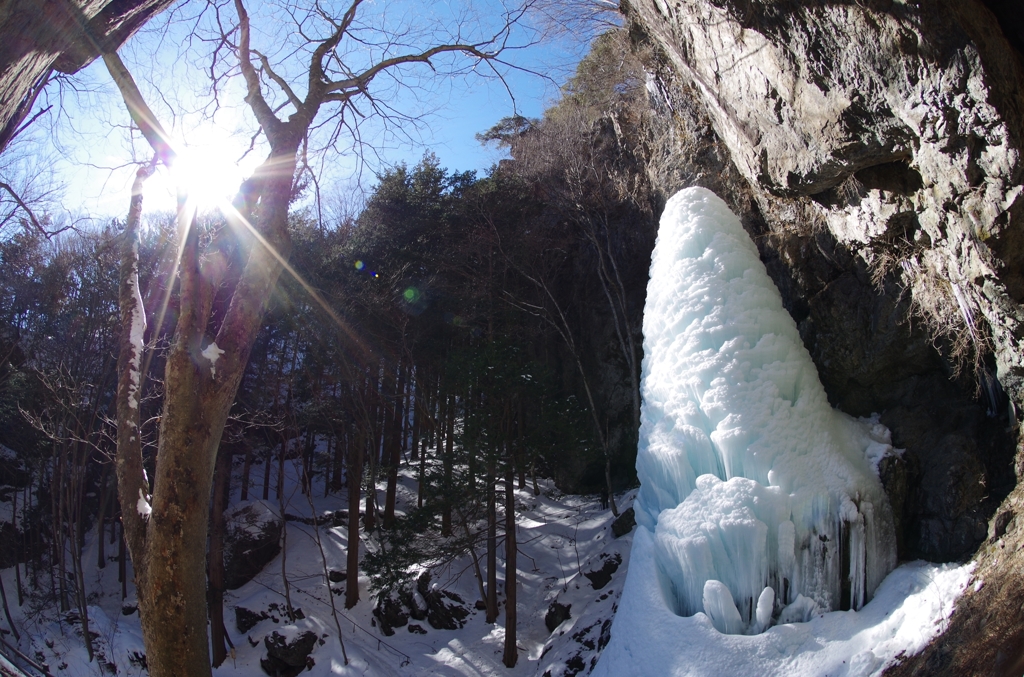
(749, 479)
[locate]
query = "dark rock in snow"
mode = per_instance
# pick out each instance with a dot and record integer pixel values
(251, 541)
(409, 599)
(557, 613)
(246, 619)
(417, 629)
(335, 576)
(600, 577)
(287, 658)
(390, 614)
(624, 523)
(440, 614)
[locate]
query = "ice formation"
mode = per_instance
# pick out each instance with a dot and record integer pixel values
(761, 498)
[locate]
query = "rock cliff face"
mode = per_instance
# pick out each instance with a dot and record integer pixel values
(873, 149)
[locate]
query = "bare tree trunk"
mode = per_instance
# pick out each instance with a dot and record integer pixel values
(21, 538)
(341, 445)
(7, 613)
(101, 556)
(215, 558)
(355, 475)
(395, 453)
(447, 462)
(415, 392)
(167, 534)
(492, 542)
(246, 470)
(511, 653)
(122, 564)
(327, 575)
(370, 517)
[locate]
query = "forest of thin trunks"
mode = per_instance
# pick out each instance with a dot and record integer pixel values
(477, 331)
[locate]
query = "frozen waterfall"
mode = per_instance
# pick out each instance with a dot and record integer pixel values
(762, 502)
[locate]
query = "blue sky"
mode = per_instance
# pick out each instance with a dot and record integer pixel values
(96, 148)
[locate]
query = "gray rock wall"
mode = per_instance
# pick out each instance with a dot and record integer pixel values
(873, 150)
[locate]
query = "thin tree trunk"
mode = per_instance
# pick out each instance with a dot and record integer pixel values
(332, 440)
(284, 567)
(21, 537)
(448, 461)
(370, 517)
(246, 470)
(518, 424)
(122, 565)
(417, 417)
(341, 448)
(7, 613)
(492, 542)
(266, 473)
(326, 573)
(395, 453)
(355, 476)
(511, 653)
(472, 551)
(101, 516)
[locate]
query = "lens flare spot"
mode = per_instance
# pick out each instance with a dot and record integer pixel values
(360, 265)
(412, 294)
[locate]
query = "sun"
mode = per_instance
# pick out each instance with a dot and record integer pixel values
(210, 167)
(206, 176)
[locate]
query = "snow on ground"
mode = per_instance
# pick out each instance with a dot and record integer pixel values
(558, 536)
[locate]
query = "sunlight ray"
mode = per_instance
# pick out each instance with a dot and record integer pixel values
(186, 217)
(236, 216)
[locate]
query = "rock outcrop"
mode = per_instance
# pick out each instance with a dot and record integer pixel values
(252, 539)
(873, 150)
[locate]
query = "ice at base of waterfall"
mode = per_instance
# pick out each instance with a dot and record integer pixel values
(759, 504)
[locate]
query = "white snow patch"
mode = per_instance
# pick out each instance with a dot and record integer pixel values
(143, 506)
(212, 353)
(137, 334)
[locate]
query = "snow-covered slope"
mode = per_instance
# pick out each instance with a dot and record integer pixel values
(562, 538)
